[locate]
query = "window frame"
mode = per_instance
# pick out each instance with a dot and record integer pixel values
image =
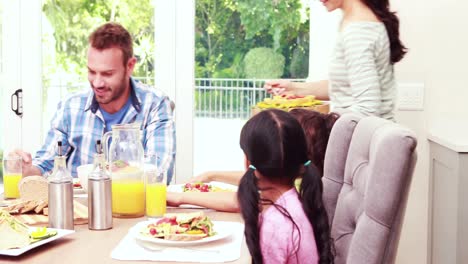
(21, 44)
(174, 32)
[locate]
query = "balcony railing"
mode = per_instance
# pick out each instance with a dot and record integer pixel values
(227, 98)
(214, 98)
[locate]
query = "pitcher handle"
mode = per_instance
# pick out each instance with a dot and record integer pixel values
(105, 141)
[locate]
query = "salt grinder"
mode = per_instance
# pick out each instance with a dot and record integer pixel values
(99, 193)
(60, 193)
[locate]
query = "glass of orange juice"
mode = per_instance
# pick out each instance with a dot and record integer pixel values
(156, 184)
(12, 173)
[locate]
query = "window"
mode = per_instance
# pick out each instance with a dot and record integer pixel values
(323, 31)
(65, 44)
(238, 45)
(204, 53)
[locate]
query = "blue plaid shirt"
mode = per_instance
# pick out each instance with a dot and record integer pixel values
(79, 123)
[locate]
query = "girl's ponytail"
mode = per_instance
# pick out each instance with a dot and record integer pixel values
(311, 196)
(249, 198)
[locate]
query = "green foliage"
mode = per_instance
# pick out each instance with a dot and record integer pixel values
(225, 30)
(263, 63)
(299, 67)
(74, 20)
(272, 16)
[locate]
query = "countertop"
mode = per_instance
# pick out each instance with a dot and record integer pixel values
(452, 134)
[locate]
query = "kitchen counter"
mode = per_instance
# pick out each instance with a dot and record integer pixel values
(448, 181)
(451, 134)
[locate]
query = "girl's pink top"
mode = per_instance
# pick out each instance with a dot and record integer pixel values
(280, 240)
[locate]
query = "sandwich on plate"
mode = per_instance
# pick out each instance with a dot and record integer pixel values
(180, 227)
(13, 233)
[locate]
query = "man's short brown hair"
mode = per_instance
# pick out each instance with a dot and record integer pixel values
(112, 35)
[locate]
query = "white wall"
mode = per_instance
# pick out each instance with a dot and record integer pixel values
(436, 33)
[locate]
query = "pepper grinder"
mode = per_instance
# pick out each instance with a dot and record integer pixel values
(60, 193)
(99, 193)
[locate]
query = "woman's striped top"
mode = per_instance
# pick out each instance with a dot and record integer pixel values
(361, 74)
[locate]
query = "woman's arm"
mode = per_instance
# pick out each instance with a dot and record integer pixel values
(220, 201)
(319, 89)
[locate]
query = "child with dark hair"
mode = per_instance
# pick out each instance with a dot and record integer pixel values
(281, 225)
(316, 126)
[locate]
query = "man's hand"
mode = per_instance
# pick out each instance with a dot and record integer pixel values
(28, 168)
(278, 87)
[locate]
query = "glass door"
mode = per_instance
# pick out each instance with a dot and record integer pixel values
(162, 44)
(238, 45)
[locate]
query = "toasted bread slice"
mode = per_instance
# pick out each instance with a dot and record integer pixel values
(33, 188)
(28, 206)
(184, 237)
(40, 206)
(16, 207)
(184, 217)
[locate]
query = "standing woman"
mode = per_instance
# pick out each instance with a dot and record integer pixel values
(361, 74)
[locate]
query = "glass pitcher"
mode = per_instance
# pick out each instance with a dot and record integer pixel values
(125, 157)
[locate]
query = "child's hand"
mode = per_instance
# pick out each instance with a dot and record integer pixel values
(174, 199)
(204, 177)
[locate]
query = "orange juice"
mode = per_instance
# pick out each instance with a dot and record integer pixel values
(155, 199)
(128, 198)
(10, 182)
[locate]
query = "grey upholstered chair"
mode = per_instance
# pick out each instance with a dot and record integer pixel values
(367, 205)
(335, 160)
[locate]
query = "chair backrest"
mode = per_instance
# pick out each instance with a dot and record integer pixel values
(366, 222)
(335, 160)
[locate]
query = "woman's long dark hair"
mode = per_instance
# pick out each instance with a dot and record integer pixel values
(317, 127)
(274, 142)
(381, 8)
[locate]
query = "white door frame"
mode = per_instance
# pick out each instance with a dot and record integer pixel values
(22, 67)
(175, 72)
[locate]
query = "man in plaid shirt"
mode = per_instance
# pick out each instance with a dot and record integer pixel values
(115, 98)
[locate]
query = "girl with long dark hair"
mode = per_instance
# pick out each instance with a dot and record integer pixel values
(361, 76)
(317, 128)
(281, 225)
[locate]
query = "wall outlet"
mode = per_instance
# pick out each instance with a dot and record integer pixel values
(410, 96)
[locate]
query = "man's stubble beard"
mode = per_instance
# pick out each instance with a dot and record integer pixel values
(115, 93)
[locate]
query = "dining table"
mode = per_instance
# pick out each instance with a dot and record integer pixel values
(95, 246)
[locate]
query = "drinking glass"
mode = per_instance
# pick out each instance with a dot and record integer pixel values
(12, 174)
(156, 187)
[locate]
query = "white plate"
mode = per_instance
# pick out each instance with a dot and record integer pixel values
(222, 229)
(222, 185)
(18, 251)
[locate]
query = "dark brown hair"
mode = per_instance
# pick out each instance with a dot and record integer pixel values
(381, 8)
(317, 128)
(275, 144)
(112, 35)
